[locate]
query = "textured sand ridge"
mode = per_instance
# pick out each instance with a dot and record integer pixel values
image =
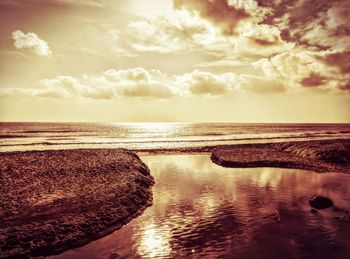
(318, 155)
(55, 200)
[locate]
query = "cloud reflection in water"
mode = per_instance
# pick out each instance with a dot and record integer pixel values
(202, 209)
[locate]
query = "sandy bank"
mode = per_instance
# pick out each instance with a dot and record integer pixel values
(55, 200)
(319, 155)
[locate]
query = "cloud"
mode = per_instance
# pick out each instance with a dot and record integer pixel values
(32, 42)
(134, 82)
(263, 35)
(313, 80)
(300, 69)
(219, 12)
(16, 92)
(165, 34)
(291, 66)
(135, 74)
(339, 17)
(205, 83)
(185, 31)
(62, 87)
(110, 84)
(283, 73)
(260, 40)
(320, 24)
(339, 59)
(138, 82)
(344, 84)
(261, 85)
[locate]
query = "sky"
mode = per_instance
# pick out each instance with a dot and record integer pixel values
(279, 61)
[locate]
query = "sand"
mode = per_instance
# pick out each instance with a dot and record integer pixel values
(318, 155)
(55, 200)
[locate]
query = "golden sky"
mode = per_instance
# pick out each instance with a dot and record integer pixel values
(175, 60)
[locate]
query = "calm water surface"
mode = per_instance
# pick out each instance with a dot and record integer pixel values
(201, 209)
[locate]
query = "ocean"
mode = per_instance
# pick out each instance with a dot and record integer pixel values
(21, 136)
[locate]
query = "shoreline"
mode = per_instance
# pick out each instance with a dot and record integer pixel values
(206, 146)
(187, 149)
(53, 201)
(46, 212)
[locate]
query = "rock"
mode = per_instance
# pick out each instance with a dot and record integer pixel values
(114, 255)
(314, 211)
(320, 202)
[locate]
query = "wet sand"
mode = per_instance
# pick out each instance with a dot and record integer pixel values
(319, 156)
(52, 201)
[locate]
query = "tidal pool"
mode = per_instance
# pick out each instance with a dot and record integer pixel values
(203, 210)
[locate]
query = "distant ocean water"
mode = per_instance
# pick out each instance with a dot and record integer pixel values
(15, 136)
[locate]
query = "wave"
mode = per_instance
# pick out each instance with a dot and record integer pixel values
(4, 136)
(47, 131)
(344, 131)
(47, 143)
(30, 136)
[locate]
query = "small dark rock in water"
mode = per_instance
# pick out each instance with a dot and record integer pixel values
(320, 202)
(114, 255)
(314, 211)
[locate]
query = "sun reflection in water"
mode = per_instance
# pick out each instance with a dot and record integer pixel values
(207, 204)
(160, 129)
(267, 177)
(154, 242)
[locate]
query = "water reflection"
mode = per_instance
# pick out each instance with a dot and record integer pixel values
(201, 209)
(154, 241)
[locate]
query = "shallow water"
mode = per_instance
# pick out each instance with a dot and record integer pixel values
(201, 209)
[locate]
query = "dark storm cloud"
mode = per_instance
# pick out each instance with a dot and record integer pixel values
(219, 12)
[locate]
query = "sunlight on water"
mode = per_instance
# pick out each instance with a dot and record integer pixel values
(154, 242)
(162, 128)
(203, 210)
(136, 136)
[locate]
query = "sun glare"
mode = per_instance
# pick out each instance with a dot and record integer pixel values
(154, 244)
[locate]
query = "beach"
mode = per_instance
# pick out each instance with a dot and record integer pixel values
(56, 200)
(174, 129)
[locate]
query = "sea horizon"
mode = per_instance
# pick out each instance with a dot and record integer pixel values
(24, 136)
